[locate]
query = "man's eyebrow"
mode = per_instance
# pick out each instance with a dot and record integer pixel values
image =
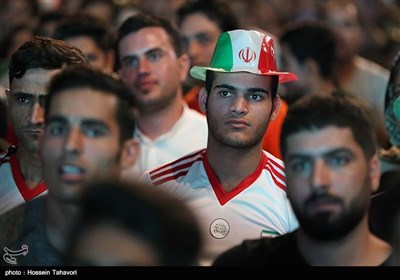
(253, 90)
(225, 86)
(56, 119)
(129, 56)
(250, 90)
(333, 152)
(26, 94)
(94, 122)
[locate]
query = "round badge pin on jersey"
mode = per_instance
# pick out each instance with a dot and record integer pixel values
(219, 228)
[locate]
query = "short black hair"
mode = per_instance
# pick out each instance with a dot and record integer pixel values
(312, 40)
(317, 112)
(86, 25)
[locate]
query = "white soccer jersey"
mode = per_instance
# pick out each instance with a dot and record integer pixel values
(187, 135)
(257, 207)
(13, 189)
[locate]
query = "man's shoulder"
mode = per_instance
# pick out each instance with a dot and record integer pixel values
(15, 223)
(175, 169)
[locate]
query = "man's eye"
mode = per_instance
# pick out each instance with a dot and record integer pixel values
(203, 39)
(93, 132)
(256, 97)
(154, 56)
(224, 93)
(56, 130)
(300, 166)
(22, 99)
(338, 161)
(130, 62)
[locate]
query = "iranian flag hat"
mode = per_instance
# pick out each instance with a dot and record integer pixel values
(243, 51)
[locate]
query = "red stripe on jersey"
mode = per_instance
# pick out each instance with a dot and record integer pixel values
(23, 188)
(170, 178)
(277, 164)
(277, 183)
(275, 172)
(174, 167)
(172, 170)
(173, 163)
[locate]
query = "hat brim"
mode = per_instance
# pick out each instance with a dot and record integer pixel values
(199, 72)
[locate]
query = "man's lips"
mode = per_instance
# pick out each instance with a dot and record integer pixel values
(237, 123)
(71, 173)
(145, 84)
(323, 203)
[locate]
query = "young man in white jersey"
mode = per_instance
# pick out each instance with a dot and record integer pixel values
(236, 189)
(31, 68)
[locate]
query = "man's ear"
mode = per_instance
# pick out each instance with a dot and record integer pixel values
(374, 172)
(276, 105)
(184, 64)
(129, 154)
(203, 96)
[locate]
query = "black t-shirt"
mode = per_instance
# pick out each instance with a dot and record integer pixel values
(268, 252)
(281, 250)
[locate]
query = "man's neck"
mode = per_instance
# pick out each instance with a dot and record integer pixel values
(155, 124)
(59, 220)
(358, 248)
(232, 166)
(31, 167)
(345, 71)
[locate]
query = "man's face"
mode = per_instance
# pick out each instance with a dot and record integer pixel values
(150, 67)
(81, 141)
(26, 99)
(239, 109)
(329, 181)
(95, 55)
(200, 36)
(343, 20)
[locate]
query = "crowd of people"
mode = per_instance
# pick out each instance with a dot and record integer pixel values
(184, 134)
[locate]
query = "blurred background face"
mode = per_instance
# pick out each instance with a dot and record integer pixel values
(328, 181)
(26, 105)
(239, 109)
(81, 141)
(150, 67)
(106, 244)
(343, 19)
(290, 63)
(96, 56)
(200, 36)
